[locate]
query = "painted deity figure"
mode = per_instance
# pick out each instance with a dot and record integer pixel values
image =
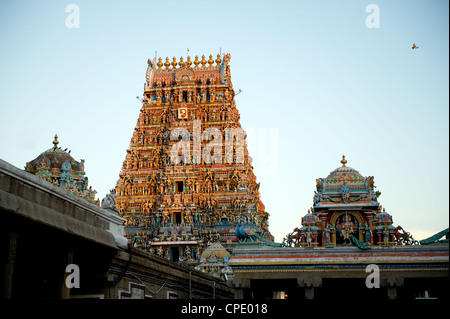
(189, 96)
(327, 234)
(317, 197)
(367, 234)
(308, 235)
(345, 193)
(319, 184)
(196, 219)
(188, 217)
(81, 166)
(227, 95)
(370, 183)
(165, 218)
(386, 235)
(372, 196)
(160, 251)
(346, 226)
(167, 253)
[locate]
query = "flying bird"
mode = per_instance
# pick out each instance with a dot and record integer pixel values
(414, 46)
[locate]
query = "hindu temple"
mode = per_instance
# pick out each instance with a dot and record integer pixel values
(187, 178)
(57, 166)
(343, 235)
(186, 220)
(346, 211)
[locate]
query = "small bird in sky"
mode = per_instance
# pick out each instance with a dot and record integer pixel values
(414, 46)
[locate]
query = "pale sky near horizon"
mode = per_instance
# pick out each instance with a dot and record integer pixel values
(312, 74)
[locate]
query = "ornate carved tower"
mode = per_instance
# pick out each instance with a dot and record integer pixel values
(187, 178)
(57, 166)
(346, 211)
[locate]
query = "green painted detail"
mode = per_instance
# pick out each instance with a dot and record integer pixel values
(358, 243)
(434, 238)
(268, 242)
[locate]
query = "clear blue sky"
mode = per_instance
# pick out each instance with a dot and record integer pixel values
(311, 70)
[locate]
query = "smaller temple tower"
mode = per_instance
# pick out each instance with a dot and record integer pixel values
(60, 168)
(346, 211)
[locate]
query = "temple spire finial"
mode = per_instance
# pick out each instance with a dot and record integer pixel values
(55, 142)
(343, 161)
(159, 64)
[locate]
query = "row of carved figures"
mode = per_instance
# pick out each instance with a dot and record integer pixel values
(219, 113)
(384, 236)
(77, 187)
(194, 218)
(162, 137)
(205, 94)
(168, 187)
(209, 203)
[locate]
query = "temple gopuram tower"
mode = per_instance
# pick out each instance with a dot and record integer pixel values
(346, 211)
(187, 178)
(58, 167)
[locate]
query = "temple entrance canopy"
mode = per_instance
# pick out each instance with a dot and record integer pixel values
(346, 211)
(324, 262)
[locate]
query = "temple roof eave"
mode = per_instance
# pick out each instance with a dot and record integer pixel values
(346, 206)
(353, 192)
(174, 243)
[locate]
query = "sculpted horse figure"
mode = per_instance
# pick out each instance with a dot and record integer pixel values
(296, 237)
(402, 236)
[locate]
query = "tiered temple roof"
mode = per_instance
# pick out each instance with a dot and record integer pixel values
(60, 168)
(346, 211)
(187, 177)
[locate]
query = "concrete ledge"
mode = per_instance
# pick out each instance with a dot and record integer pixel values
(50, 217)
(29, 196)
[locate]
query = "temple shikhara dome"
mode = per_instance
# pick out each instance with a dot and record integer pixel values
(346, 211)
(187, 178)
(60, 168)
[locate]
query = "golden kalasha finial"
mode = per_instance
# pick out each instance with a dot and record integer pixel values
(343, 161)
(218, 60)
(167, 64)
(196, 61)
(174, 63)
(55, 142)
(210, 61)
(181, 63)
(159, 64)
(203, 62)
(188, 62)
